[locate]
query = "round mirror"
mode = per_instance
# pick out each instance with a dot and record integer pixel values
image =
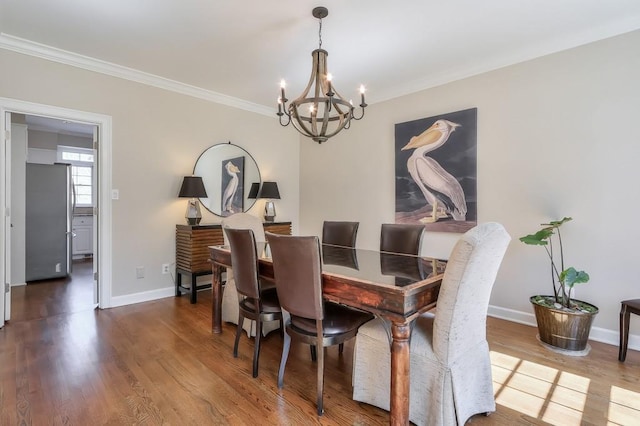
(227, 172)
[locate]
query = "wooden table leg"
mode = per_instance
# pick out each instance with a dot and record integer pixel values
(400, 379)
(216, 305)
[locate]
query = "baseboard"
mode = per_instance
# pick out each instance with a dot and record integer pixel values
(145, 296)
(18, 284)
(598, 334)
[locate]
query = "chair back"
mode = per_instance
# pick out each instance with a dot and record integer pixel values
(461, 317)
(401, 238)
(244, 261)
(244, 221)
(298, 274)
(340, 233)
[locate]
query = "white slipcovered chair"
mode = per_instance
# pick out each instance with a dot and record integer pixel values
(230, 307)
(450, 367)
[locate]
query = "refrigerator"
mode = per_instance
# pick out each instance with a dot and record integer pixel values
(49, 212)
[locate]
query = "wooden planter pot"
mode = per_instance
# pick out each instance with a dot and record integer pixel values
(568, 330)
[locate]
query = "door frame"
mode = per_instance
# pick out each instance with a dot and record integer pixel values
(103, 216)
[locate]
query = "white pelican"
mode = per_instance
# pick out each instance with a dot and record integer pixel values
(232, 186)
(436, 184)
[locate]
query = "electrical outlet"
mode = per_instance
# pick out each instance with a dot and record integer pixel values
(58, 267)
(165, 268)
(140, 272)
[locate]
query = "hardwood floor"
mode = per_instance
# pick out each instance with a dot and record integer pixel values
(63, 362)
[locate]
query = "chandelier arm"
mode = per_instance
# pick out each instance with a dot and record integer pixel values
(288, 119)
(361, 115)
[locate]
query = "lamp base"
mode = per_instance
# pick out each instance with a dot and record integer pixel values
(269, 211)
(193, 220)
(193, 214)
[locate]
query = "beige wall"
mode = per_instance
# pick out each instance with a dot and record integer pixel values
(157, 137)
(556, 136)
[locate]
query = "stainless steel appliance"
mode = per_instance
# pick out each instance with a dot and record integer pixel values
(49, 211)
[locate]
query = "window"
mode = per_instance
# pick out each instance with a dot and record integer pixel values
(81, 160)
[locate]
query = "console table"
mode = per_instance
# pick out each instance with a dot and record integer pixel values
(192, 252)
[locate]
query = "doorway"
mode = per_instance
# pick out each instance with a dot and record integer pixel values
(100, 253)
(59, 206)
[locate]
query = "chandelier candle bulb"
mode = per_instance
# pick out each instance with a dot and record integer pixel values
(282, 85)
(330, 88)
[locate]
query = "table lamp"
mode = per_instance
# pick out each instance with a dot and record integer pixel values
(193, 187)
(253, 191)
(269, 191)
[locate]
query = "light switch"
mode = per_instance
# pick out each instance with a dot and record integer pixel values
(115, 194)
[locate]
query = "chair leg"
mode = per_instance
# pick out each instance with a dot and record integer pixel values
(341, 348)
(238, 332)
(283, 361)
(314, 356)
(256, 349)
(624, 333)
(319, 402)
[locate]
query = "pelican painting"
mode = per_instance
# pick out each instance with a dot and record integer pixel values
(441, 190)
(232, 187)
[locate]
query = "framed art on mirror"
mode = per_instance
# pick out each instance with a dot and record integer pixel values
(232, 188)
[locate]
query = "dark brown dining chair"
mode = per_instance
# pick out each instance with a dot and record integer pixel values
(307, 318)
(401, 238)
(254, 303)
(628, 307)
(340, 233)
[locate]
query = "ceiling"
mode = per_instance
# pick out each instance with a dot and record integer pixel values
(54, 125)
(240, 50)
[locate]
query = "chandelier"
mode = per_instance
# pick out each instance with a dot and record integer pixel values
(319, 112)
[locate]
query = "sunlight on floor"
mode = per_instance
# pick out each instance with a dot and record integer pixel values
(624, 406)
(552, 395)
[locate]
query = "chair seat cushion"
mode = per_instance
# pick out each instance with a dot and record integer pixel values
(337, 319)
(270, 303)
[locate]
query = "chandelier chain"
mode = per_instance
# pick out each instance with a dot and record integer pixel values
(320, 33)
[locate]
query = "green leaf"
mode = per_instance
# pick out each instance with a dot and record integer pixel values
(539, 238)
(557, 223)
(571, 276)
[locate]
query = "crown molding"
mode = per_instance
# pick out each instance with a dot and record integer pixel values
(49, 53)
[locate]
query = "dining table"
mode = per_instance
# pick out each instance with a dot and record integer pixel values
(397, 288)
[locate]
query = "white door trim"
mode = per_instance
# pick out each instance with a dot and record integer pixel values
(5, 196)
(104, 255)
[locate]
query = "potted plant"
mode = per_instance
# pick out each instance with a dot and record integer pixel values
(563, 322)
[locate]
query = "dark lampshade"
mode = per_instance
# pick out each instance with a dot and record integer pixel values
(269, 190)
(253, 191)
(193, 187)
